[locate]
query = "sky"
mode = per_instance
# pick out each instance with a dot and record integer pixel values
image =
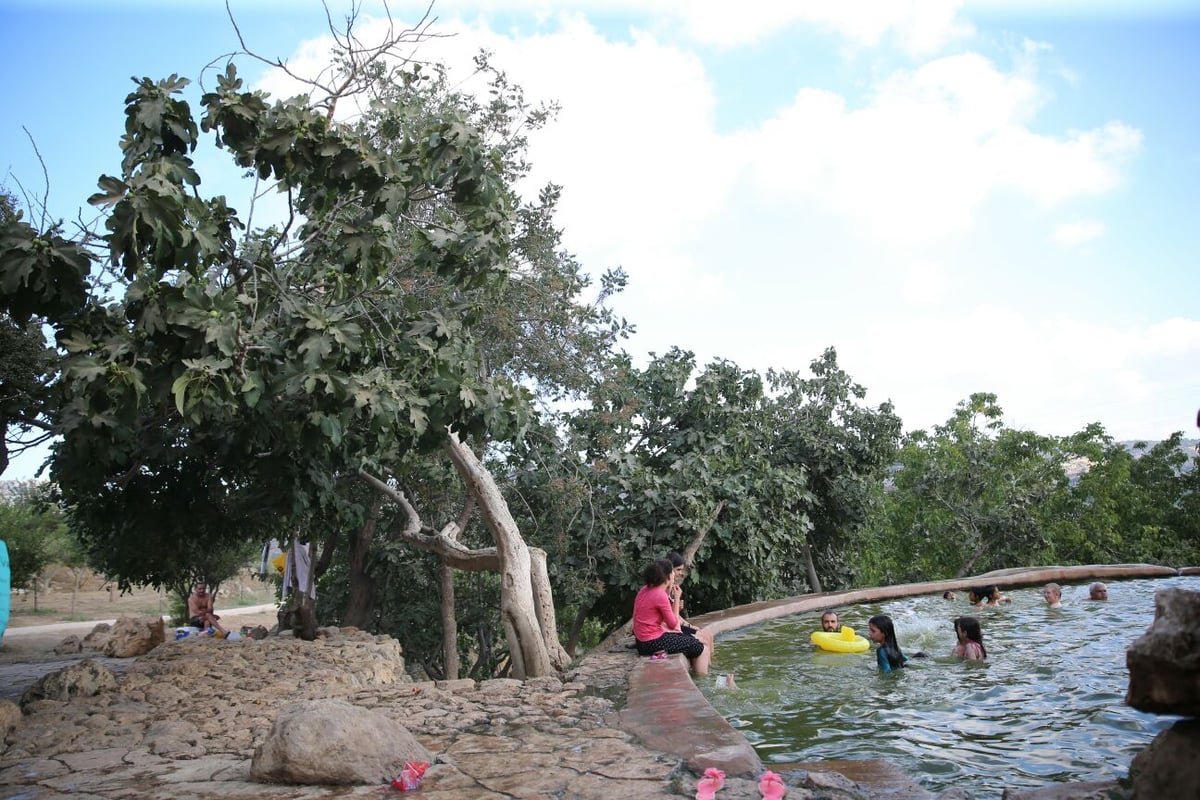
(959, 196)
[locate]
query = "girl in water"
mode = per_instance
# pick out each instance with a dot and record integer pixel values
(881, 631)
(970, 639)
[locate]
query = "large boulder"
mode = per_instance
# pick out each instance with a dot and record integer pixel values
(1170, 766)
(334, 742)
(135, 636)
(1164, 663)
(82, 679)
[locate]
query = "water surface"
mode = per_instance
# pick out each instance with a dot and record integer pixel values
(1047, 706)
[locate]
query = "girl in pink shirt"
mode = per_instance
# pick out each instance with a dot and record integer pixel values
(655, 625)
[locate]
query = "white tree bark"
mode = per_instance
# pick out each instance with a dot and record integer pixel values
(526, 600)
(529, 626)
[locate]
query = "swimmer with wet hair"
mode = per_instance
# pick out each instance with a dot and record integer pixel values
(882, 632)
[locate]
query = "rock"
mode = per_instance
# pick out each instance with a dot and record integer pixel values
(1164, 663)
(828, 782)
(135, 636)
(69, 646)
(334, 742)
(98, 637)
(1170, 766)
(258, 633)
(83, 679)
(10, 715)
(1090, 790)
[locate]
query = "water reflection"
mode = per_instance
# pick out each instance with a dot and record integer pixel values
(1047, 706)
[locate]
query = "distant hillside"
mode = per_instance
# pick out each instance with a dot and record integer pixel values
(1190, 448)
(1139, 447)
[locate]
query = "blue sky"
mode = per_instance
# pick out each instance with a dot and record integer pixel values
(958, 196)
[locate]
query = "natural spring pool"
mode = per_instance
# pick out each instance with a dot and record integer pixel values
(1046, 707)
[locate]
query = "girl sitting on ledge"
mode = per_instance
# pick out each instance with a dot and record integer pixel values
(655, 625)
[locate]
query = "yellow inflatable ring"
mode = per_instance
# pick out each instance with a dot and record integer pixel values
(847, 641)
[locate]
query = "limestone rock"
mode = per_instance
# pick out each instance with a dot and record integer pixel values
(135, 636)
(1164, 663)
(10, 715)
(1170, 766)
(83, 679)
(69, 646)
(334, 742)
(98, 637)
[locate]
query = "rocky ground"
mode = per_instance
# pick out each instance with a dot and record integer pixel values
(185, 719)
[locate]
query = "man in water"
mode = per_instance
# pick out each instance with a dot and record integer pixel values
(1098, 591)
(1052, 593)
(829, 622)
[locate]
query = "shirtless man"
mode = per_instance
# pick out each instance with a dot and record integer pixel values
(829, 622)
(200, 609)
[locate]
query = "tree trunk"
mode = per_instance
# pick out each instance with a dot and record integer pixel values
(449, 623)
(544, 607)
(689, 552)
(362, 586)
(304, 624)
(528, 620)
(577, 628)
(814, 583)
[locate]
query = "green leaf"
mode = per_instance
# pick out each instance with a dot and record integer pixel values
(179, 389)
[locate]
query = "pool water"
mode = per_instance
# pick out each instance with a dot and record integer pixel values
(1046, 707)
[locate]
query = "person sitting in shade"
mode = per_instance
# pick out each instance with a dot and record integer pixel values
(200, 609)
(1052, 594)
(1098, 591)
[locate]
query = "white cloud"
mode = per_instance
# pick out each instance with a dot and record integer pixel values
(1051, 375)
(1073, 234)
(916, 162)
(924, 284)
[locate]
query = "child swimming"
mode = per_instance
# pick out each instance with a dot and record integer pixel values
(970, 639)
(881, 631)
